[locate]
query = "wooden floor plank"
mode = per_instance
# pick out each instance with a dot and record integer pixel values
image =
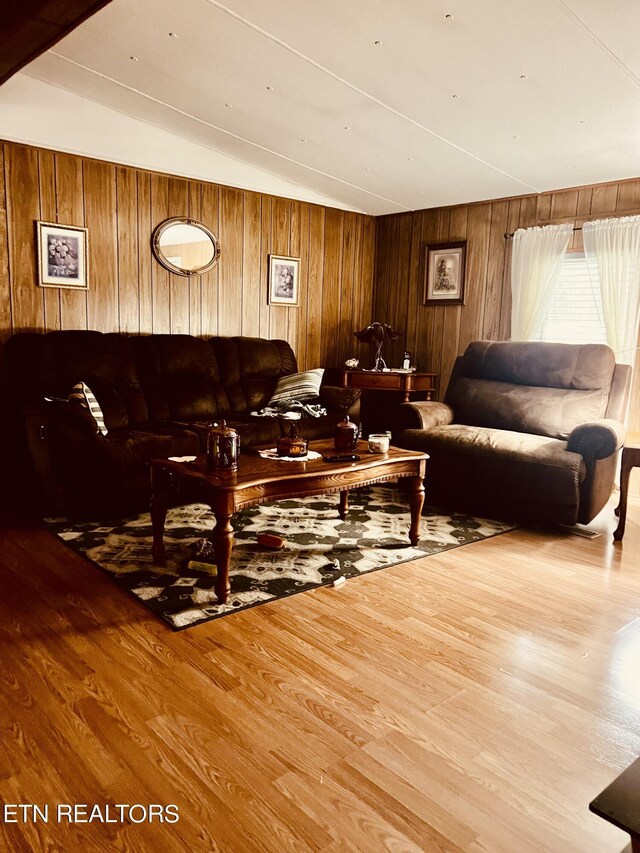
(470, 702)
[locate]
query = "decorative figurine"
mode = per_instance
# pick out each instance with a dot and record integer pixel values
(352, 363)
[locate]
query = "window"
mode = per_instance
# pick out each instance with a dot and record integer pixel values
(574, 315)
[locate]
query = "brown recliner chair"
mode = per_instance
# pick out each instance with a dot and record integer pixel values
(527, 431)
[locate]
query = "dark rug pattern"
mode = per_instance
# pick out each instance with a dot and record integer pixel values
(319, 548)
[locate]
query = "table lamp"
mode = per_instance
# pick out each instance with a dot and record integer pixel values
(377, 333)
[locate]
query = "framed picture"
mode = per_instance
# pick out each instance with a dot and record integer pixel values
(284, 275)
(62, 256)
(444, 273)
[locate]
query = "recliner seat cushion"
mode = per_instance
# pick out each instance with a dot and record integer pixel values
(553, 412)
(500, 472)
(498, 443)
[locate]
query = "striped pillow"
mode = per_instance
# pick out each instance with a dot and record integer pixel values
(83, 395)
(298, 386)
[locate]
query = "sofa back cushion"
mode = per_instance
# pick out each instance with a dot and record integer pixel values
(541, 388)
(250, 369)
(180, 378)
(50, 365)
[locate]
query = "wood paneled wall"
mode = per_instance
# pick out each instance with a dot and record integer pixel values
(438, 334)
(130, 292)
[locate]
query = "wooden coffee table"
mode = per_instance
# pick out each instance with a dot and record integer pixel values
(259, 480)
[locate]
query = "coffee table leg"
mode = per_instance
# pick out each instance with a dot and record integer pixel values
(344, 504)
(160, 487)
(223, 545)
(416, 502)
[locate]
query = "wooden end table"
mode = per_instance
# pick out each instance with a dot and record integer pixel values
(630, 459)
(390, 380)
(259, 480)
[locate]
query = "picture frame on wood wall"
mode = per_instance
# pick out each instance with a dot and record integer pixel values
(445, 273)
(284, 279)
(62, 255)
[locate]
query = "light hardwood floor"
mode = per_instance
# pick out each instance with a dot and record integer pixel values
(472, 701)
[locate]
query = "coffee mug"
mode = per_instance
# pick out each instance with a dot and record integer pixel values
(378, 442)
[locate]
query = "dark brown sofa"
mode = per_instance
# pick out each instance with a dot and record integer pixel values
(527, 431)
(158, 394)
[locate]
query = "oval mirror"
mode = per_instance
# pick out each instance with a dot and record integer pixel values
(185, 246)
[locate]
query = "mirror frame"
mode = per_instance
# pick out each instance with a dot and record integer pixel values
(162, 259)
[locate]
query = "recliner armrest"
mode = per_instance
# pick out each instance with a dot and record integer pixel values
(334, 398)
(597, 439)
(423, 414)
(73, 416)
(67, 422)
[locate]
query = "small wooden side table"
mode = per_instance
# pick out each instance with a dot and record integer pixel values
(390, 380)
(630, 459)
(619, 804)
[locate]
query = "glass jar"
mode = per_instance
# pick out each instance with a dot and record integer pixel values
(345, 438)
(223, 448)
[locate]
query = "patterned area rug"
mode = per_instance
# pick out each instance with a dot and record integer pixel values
(319, 548)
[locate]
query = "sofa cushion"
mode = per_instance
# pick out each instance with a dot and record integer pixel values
(49, 365)
(180, 377)
(250, 369)
(252, 430)
(125, 452)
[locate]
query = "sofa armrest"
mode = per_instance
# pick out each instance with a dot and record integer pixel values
(338, 399)
(597, 439)
(423, 415)
(73, 417)
(60, 419)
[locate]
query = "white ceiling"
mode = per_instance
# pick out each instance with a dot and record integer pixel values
(462, 100)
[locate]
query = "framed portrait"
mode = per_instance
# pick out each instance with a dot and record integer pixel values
(284, 278)
(62, 256)
(444, 273)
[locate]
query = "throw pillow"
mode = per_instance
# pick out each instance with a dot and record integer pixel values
(82, 394)
(298, 386)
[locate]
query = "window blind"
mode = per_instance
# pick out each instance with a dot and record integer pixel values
(574, 315)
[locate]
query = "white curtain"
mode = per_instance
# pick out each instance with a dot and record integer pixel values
(536, 259)
(612, 246)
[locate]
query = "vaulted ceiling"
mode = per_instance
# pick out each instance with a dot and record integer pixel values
(383, 106)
